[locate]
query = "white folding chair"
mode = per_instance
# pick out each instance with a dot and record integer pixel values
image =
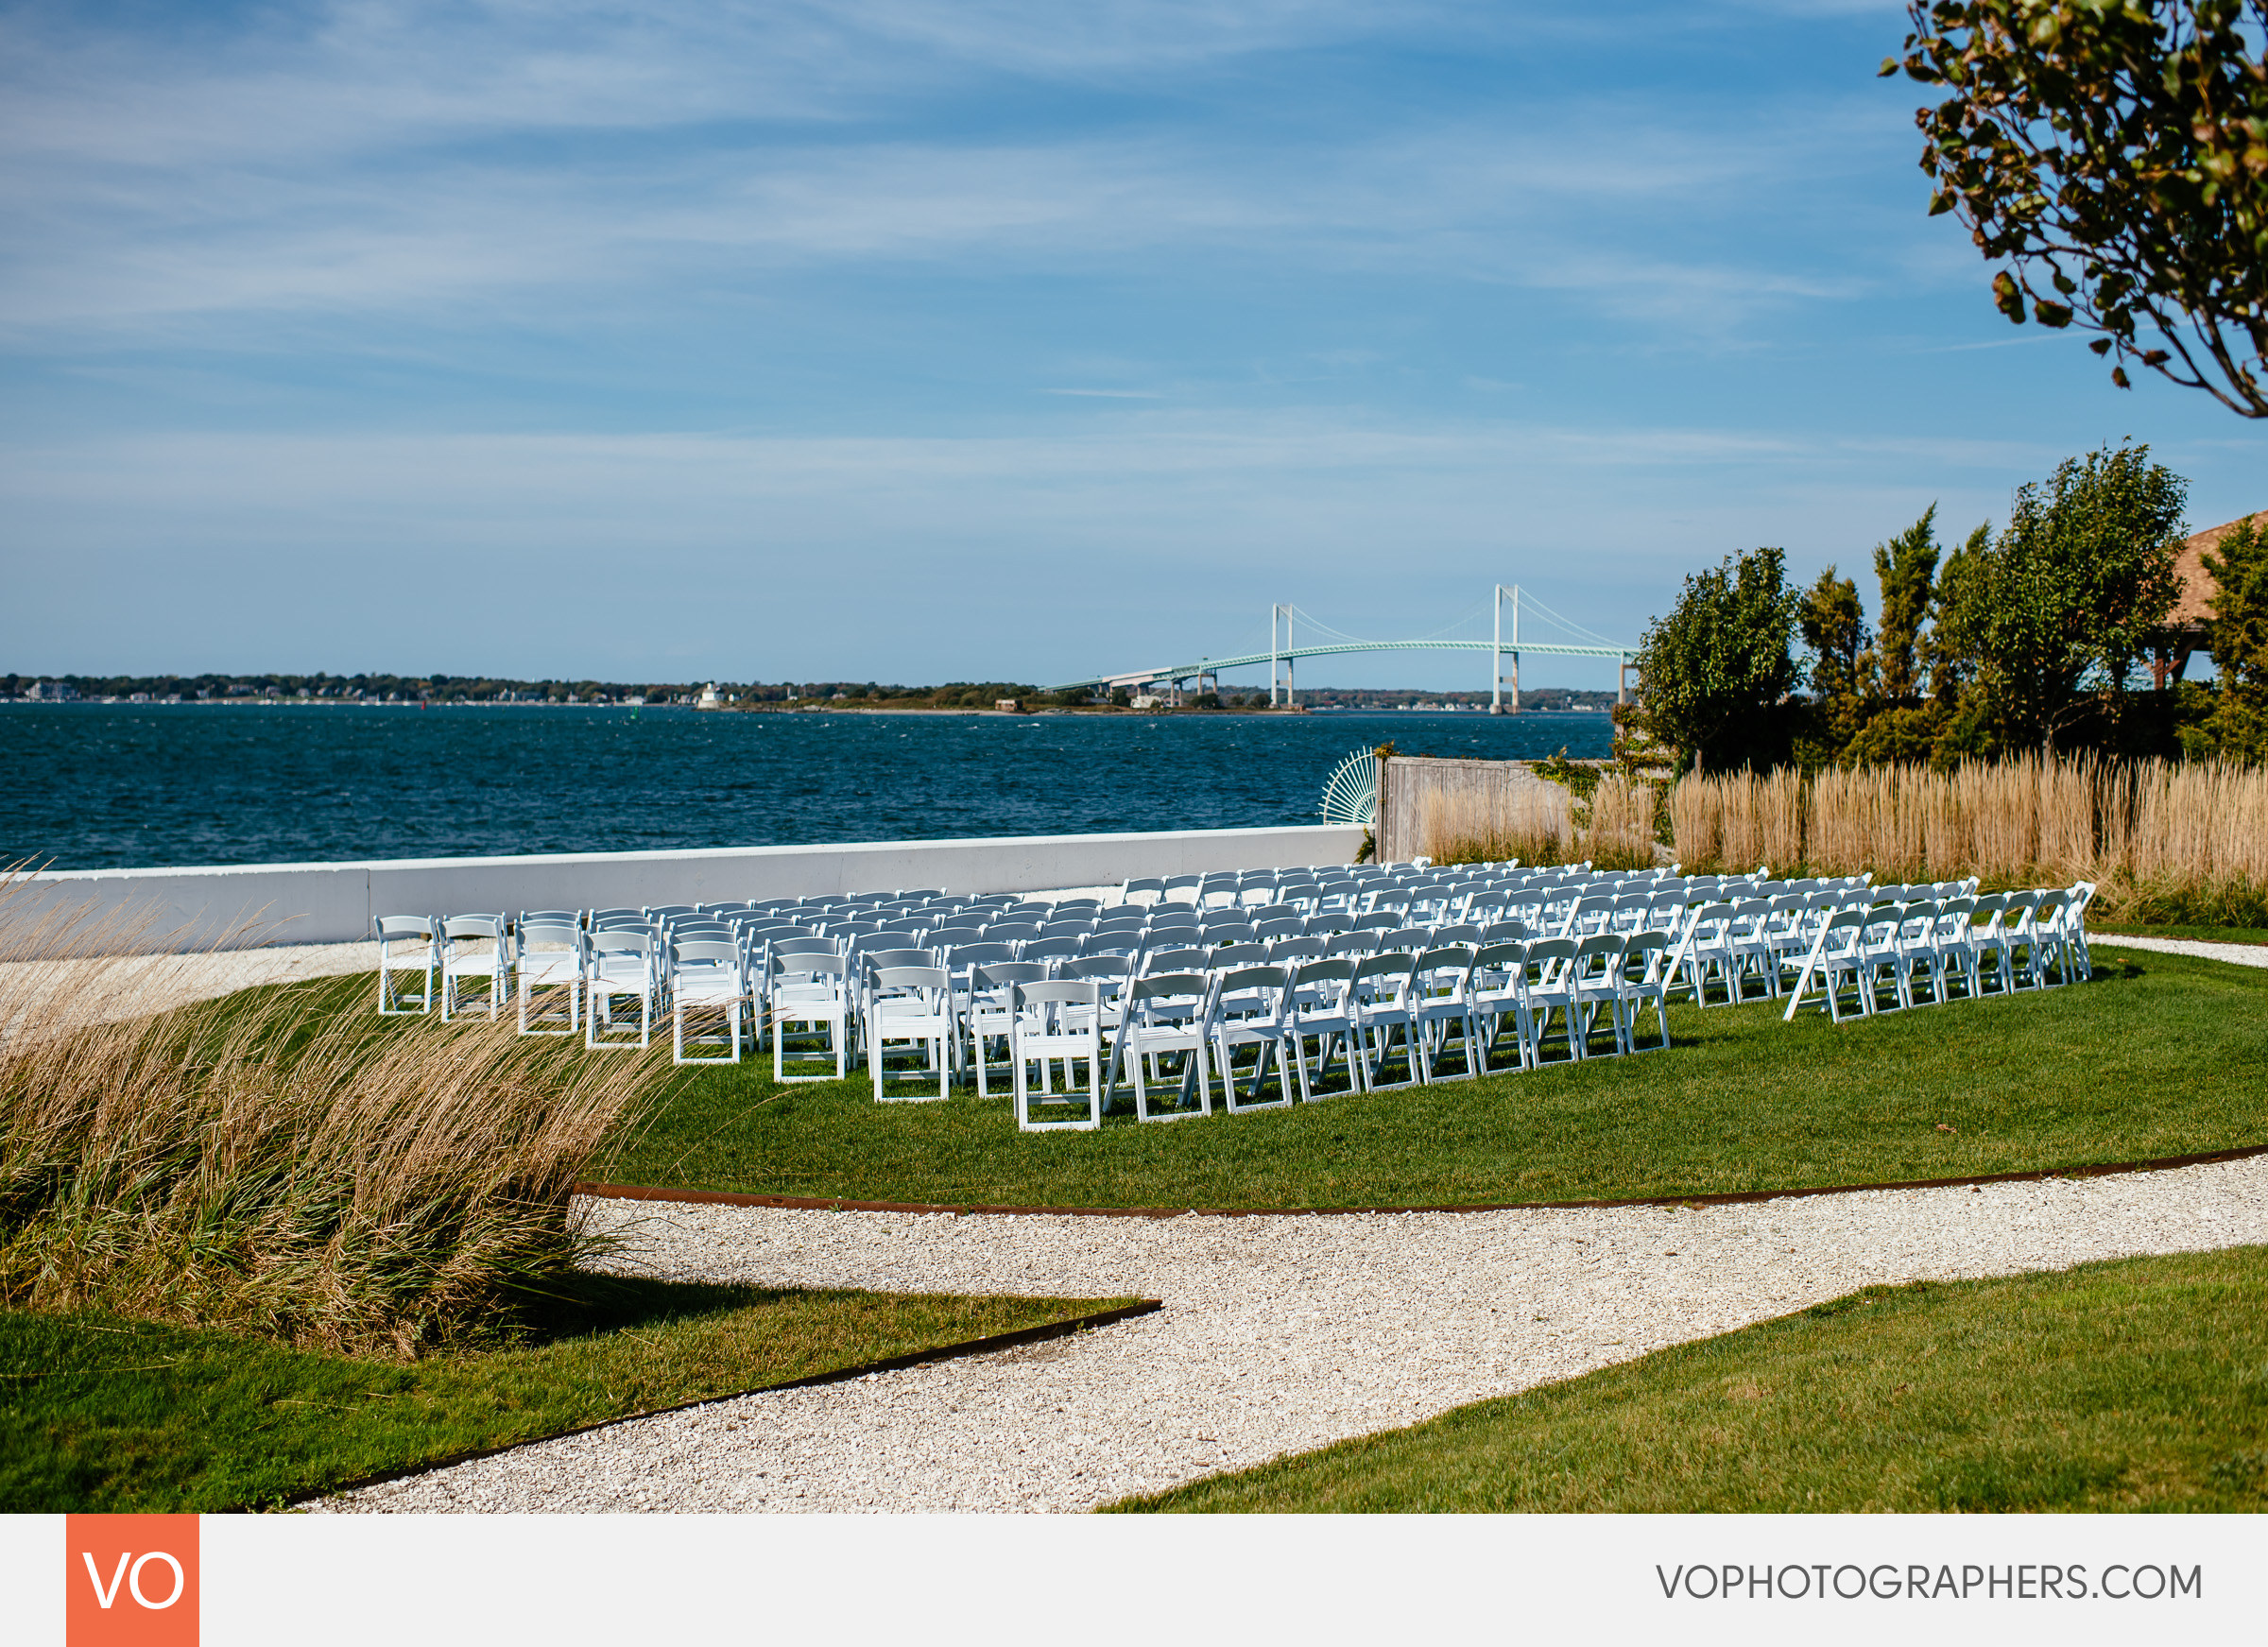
(1441, 996)
(547, 956)
(473, 948)
(1380, 994)
(1320, 1010)
(619, 963)
(421, 956)
(809, 999)
(989, 1008)
(1250, 1007)
(1496, 994)
(707, 975)
(1647, 956)
(1835, 960)
(1163, 1018)
(910, 1007)
(1050, 1022)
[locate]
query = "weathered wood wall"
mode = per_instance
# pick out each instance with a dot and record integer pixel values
(1406, 784)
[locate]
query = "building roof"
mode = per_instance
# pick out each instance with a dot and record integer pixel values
(2197, 586)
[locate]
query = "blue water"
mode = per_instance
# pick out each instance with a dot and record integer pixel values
(119, 785)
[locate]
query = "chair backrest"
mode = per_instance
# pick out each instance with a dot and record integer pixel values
(477, 926)
(547, 930)
(1500, 957)
(967, 955)
(1299, 949)
(953, 937)
(1237, 955)
(1393, 963)
(1349, 943)
(1011, 932)
(704, 952)
(406, 926)
(1050, 949)
(1066, 929)
(1178, 960)
(1380, 921)
(1060, 991)
(1167, 995)
(796, 949)
(1252, 987)
(623, 942)
(879, 961)
(1000, 974)
(924, 980)
(1092, 967)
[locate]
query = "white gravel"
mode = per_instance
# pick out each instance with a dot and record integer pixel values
(1278, 1334)
(2242, 954)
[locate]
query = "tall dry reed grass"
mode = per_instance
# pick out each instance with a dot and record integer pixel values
(2167, 840)
(1541, 823)
(285, 1163)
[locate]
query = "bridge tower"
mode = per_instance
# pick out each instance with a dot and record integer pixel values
(1276, 652)
(1496, 657)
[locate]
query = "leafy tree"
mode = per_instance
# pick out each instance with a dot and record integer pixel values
(2240, 641)
(1906, 569)
(1715, 671)
(2047, 623)
(1833, 625)
(2114, 153)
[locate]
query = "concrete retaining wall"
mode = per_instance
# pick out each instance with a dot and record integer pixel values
(161, 910)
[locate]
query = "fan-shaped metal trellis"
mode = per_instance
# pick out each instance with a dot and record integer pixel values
(1351, 796)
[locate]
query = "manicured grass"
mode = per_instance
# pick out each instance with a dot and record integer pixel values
(2140, 1384)
(102, 1414)
(2160, 1056)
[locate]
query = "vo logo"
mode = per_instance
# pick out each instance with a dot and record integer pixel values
(131, 1580)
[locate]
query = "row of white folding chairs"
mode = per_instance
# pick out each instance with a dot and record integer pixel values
(1993, 945)
(1352, 1011)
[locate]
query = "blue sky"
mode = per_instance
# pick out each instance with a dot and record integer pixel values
(909, 341)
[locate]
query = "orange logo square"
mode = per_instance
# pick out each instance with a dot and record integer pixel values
(130, 1581)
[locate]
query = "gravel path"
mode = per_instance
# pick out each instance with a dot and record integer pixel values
(1278, 1334)
(2242, 954)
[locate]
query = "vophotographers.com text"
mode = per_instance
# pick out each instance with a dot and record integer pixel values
(1916, 1581)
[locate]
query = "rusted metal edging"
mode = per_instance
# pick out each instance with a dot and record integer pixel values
(1724, 1198)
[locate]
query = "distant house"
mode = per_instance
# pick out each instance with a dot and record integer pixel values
(2188, 627)
(52, 692)
(1007, 705)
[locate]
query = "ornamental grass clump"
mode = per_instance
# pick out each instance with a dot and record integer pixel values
(2164, 841)
(283, 1165)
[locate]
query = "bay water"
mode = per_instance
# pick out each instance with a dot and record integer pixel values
(124, 786)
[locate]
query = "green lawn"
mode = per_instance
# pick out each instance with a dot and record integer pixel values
(108, 1414)
(2160, 1056)
(2140, 1384)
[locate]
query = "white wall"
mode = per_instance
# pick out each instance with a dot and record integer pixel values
(161, 910)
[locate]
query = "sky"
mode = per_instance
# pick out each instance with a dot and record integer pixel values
(977, 340)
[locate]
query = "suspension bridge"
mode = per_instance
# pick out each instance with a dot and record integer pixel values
(1283, 651)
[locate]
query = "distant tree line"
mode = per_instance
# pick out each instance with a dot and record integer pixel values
(744, 694)
(2037, 637)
